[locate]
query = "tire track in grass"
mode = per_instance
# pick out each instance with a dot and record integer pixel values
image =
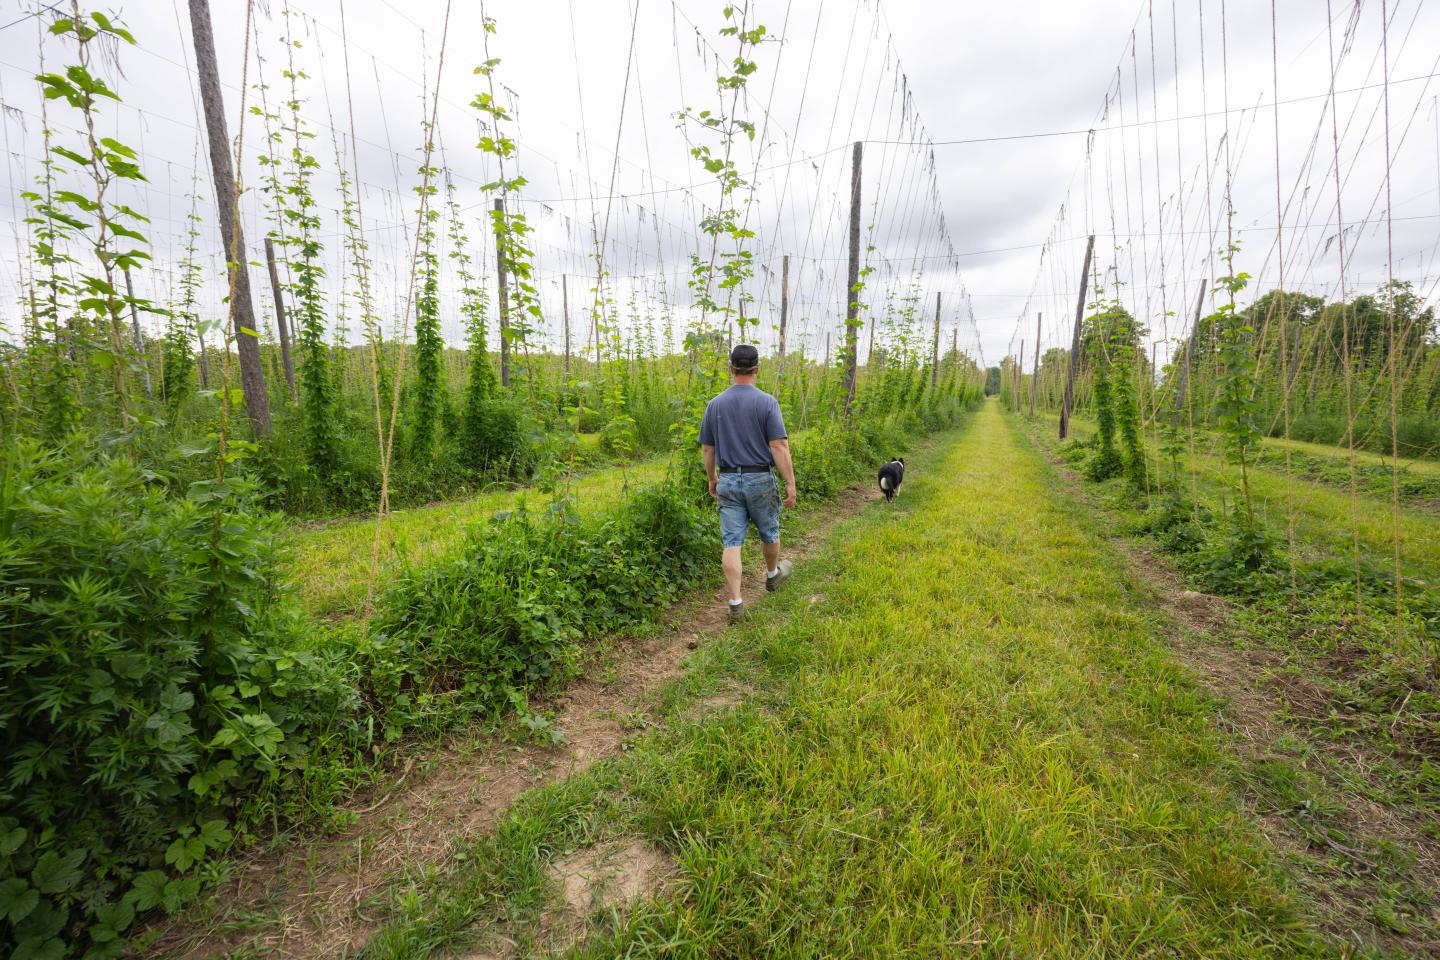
(976, 743)
(315, 896)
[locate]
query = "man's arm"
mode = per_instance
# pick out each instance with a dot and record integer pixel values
(780, 450)
(707, 455)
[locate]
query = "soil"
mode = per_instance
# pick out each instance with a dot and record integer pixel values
(309, 897)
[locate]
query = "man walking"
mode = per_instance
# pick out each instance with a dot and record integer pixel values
(742, 439)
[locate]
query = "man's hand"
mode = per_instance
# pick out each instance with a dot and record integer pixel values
(707, 457)
(780, 450)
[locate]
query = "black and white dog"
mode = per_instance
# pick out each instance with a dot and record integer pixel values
(890, 476)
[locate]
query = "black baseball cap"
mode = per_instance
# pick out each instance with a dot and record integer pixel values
(744, 358)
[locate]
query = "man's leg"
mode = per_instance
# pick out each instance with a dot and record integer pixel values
(766, 511)
(734, 523)
(772, 555)
(734, 574)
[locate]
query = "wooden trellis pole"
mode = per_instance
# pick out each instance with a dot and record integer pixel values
(1075, 341)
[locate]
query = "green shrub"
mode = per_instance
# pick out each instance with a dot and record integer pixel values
(507, 612)
(1236, 557)
(141, 691)
(823, 463)
(497, 440)
(653, 416)
(1176, 523)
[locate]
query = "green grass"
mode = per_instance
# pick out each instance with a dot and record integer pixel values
(1322, 513)
(966, 737)
(1428, 468)
(330, 563)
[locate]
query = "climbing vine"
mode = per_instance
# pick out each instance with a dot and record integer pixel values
(429, 346)
(300, 238)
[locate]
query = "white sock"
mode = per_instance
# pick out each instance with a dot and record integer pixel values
(771, 573)
(736, 603)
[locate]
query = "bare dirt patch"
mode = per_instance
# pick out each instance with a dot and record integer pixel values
(606, 879)
(312, 897)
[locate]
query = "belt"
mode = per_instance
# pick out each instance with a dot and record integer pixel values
(766, 468)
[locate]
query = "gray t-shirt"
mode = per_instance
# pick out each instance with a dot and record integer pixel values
(739, 424)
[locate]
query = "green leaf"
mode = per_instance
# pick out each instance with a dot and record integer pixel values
(113, 919)
(215, 834)
(56, 86)
(123, 231)
(17, 899)
(44, 922)
(71, 155)
(148, 891)
(36, 948)
(184, 852)
(54, 873)
(83, 202)
(11, 836)
(110, 143)
(179, 892)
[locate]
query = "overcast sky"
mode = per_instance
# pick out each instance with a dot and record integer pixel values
(840, 70)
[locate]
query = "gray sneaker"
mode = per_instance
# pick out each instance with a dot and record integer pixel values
(782, 573)
(736, 613)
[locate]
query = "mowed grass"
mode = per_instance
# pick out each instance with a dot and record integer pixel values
(1428, 468)
(1322, 512)
(965, 736)
(330, 564)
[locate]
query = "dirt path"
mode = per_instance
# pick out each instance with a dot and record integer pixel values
(309, 898)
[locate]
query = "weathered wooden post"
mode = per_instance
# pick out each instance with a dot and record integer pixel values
(242, 309)
(280, 317)
(1185, 364)
(135, 331)
(565, 317)
(1035, 367)
(1075, 341)
(935, 349)
(1019, 376)
(784, 313)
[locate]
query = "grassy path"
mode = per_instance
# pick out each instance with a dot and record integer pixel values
(307, 894)
(962, 733)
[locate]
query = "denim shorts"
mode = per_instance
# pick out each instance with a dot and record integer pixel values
(745, 498)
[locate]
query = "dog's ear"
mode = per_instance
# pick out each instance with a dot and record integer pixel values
(902, 461)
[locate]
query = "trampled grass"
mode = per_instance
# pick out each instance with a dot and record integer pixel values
(966, 737)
